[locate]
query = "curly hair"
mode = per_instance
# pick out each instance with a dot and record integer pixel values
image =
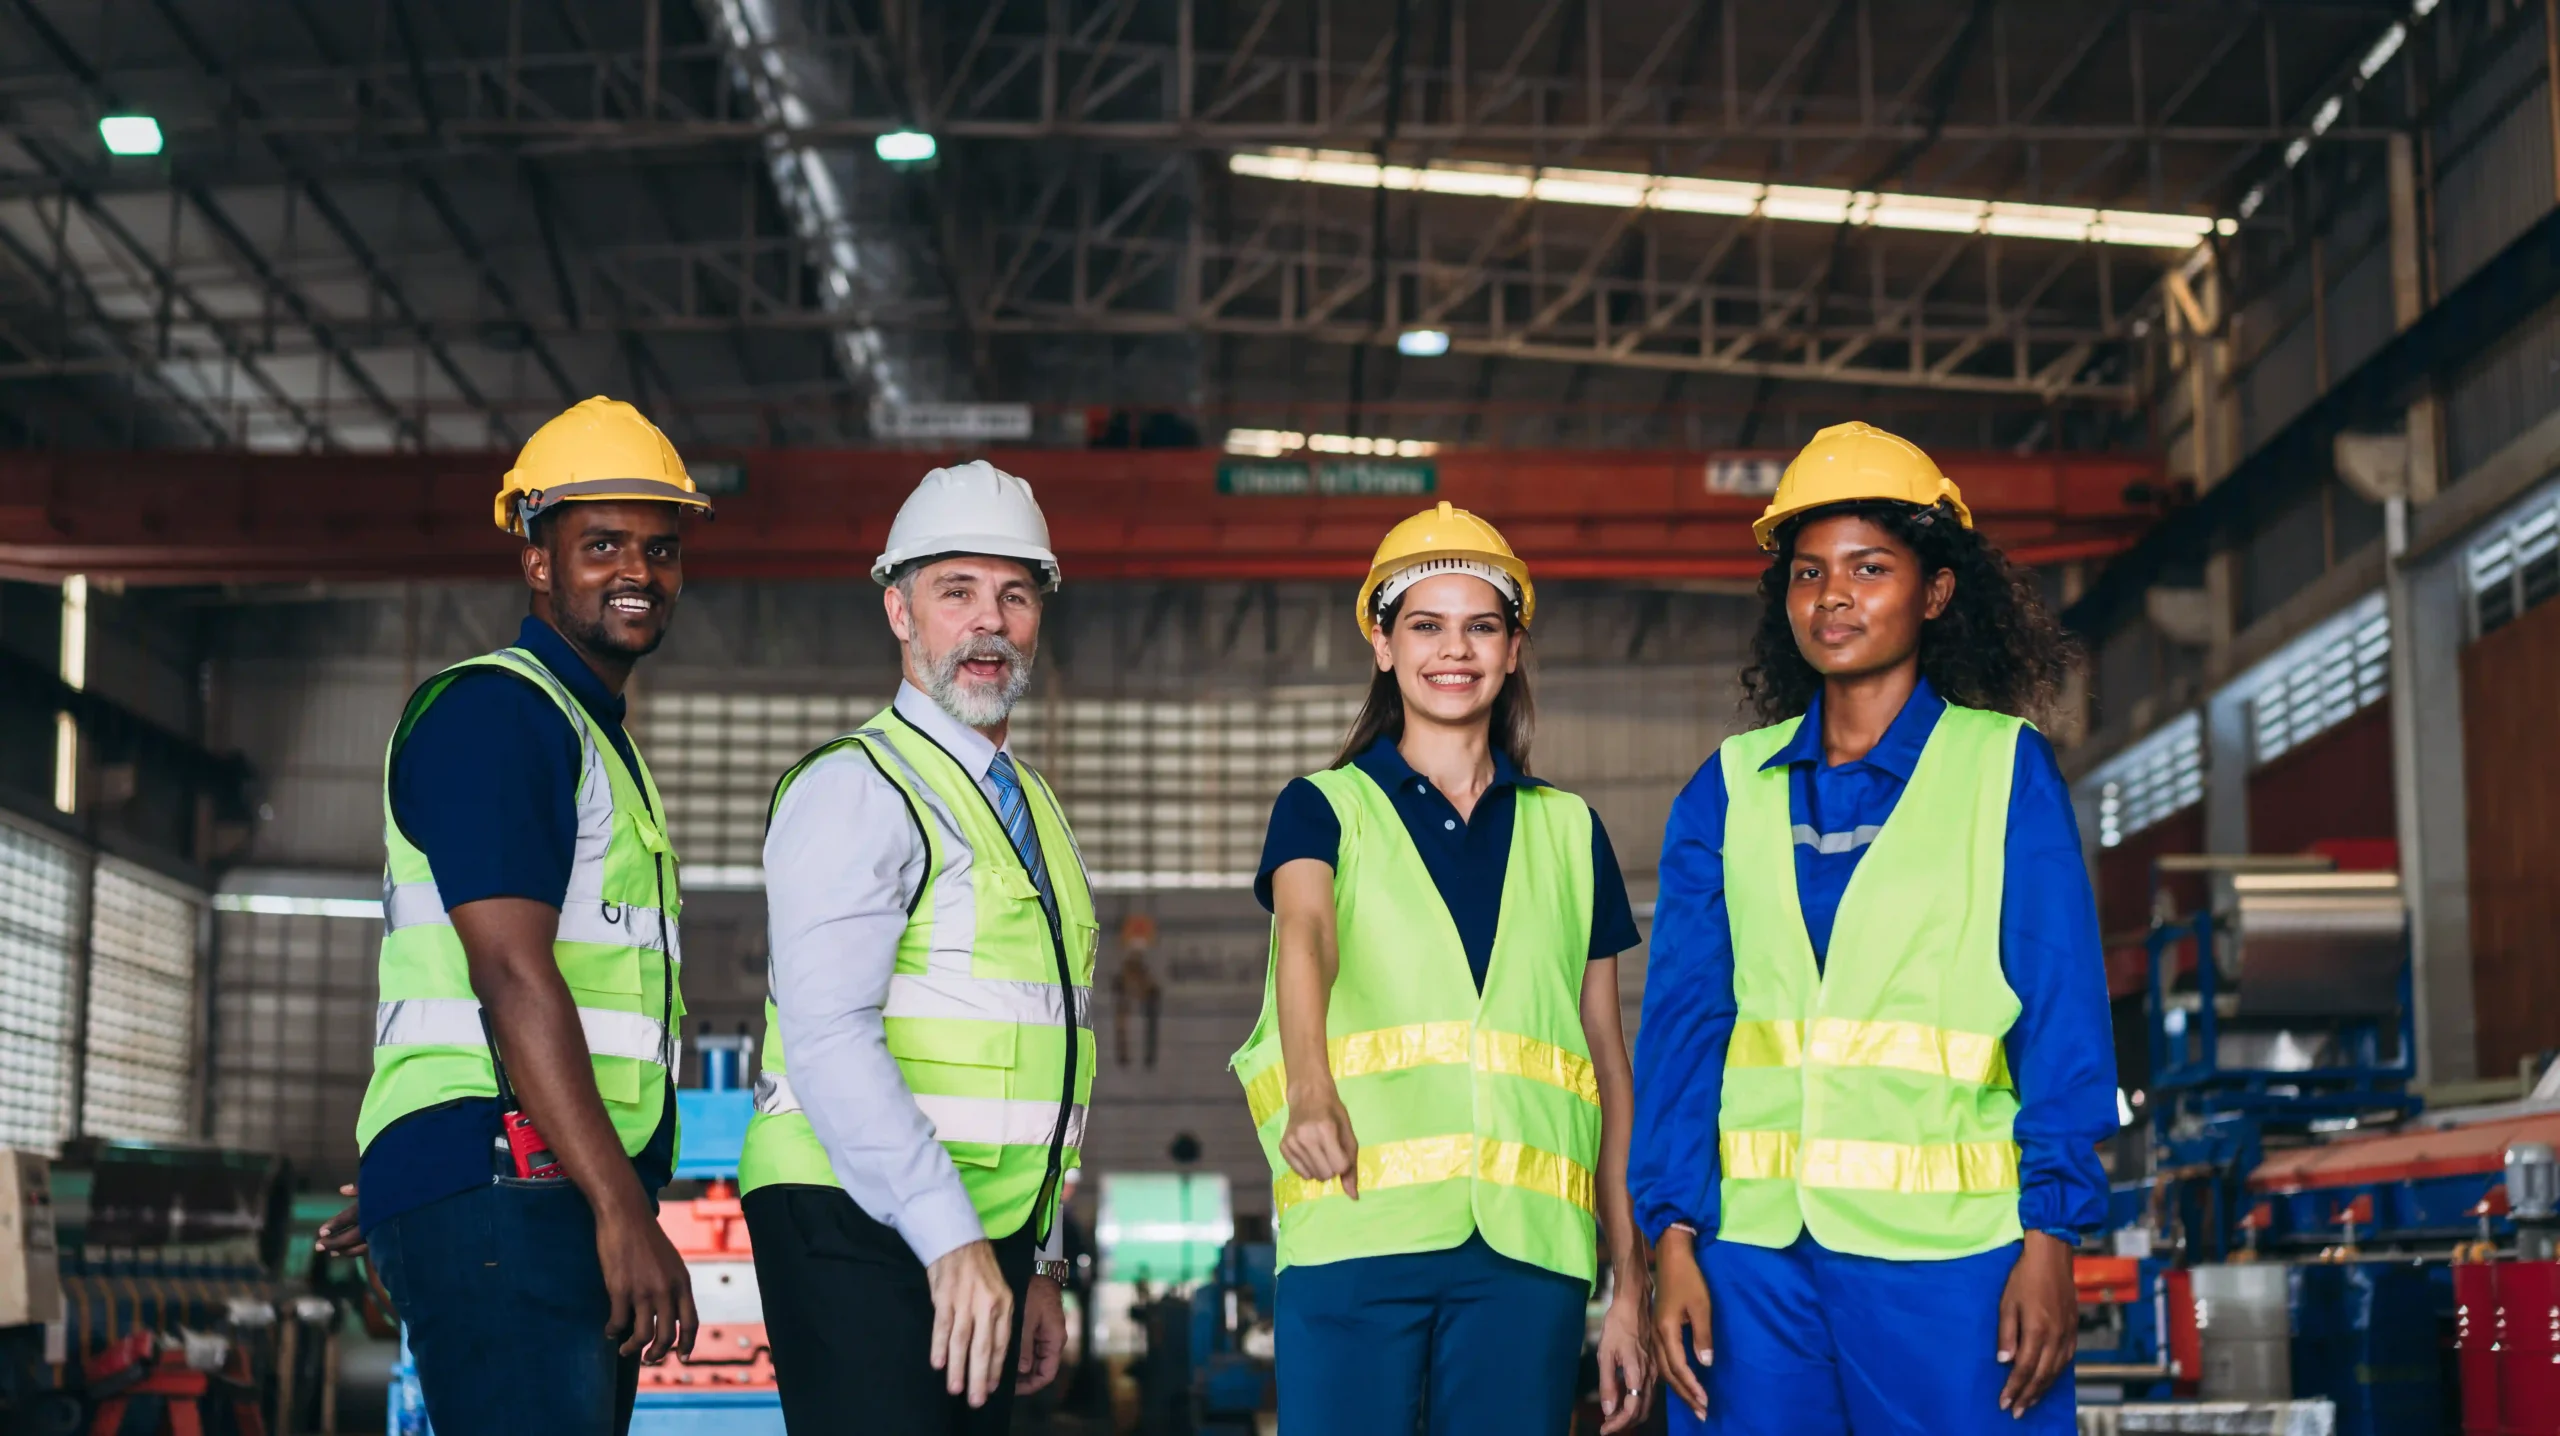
(1996, 646)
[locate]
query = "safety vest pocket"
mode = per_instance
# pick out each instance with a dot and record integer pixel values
(618, 1079)
(592, 968)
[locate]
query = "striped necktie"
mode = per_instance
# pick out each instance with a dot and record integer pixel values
(1015, 812)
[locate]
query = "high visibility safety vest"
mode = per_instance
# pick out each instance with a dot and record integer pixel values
(990, 1007)
(1475, 1112)
(1868, 1100)
(617, 946)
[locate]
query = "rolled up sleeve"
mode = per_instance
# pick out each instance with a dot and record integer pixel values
(843, 862)
(2062, 1048)
(1687, 1020)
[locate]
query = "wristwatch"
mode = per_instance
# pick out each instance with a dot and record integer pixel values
(1056, 1271)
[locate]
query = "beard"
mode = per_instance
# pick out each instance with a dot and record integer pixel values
(586, 628)
(975, 704)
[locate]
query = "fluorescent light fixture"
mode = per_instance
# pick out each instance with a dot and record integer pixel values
(276, 905)
(2382, 51)
(1275, 443)
(2327, 115)
(2294, 152)
(130, 134)
(904, 147)
(1806, 204)
(1423, 343)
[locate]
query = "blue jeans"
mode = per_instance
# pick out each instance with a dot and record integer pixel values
(1813, 1342)
(506, 1309)
(1492, 1345)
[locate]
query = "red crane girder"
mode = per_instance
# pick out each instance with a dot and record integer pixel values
(164, 516)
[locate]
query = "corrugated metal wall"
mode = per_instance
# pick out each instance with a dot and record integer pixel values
(2510, 690)
(2493, 160)
(2514, 388)
(2336, 785)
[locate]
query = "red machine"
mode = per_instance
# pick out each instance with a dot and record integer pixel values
(730, 1353)
(2507, 1337)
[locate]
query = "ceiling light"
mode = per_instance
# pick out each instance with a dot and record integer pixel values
(1807, 204)
(904, 147)
(1423, 343)
(130, 134)
(1276, 443)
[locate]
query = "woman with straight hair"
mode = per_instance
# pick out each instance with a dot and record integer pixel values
(1439, 1077)
(1876, 1056)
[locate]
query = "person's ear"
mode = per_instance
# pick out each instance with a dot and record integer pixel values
(1378, 642)
(894, 604)
(1511, 662)
(1942, 591)
(535, 560)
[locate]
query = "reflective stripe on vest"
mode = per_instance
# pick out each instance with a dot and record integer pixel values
(1386, 1165)
(1422, 1044)
(581, 919)
(995, 1121)
(1937, 1168)
(1972, 1057)
(455, 1022)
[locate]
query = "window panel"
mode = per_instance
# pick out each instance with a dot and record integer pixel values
(142, 992)
(2330, 676)
(39, 922)
(1163, 793)
(2158, 776)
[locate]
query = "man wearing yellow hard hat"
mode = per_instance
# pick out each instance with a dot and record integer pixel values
(1867, 1111)
(521, 1116)
(1438, 1076)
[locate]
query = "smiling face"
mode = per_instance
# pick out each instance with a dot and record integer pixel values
(1857, 597)
(971, 626)
(1450, 647)
(606, 575)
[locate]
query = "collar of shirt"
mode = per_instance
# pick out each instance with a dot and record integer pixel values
(1897, 752)
(966, 745)
(1387, 768)
(544, 642)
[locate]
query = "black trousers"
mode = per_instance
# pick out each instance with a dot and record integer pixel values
(851, 1321)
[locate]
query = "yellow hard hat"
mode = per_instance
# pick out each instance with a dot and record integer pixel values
(594, 450)
(1853, 461)
(1449, 540)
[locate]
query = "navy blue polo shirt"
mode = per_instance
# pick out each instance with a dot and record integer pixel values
(1466, 857)
(486, 785)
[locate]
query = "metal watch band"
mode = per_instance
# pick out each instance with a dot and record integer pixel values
(1056, 1271)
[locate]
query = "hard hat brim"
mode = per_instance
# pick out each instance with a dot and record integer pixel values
(515, 505)
(1764, 529)
(1380, 573)
(885, 568)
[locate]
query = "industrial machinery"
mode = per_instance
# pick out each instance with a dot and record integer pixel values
(2277, 1014)
(2305, 1232)
(726, 1388)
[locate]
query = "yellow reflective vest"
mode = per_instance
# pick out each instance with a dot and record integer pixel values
(1867, 1098)
(990, 1005)
(1475, 1112)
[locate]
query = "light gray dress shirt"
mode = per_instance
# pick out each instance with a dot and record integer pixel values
(840, 861)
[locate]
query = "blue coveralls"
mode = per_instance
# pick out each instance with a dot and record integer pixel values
(1812, 1342)
(1483, 1342)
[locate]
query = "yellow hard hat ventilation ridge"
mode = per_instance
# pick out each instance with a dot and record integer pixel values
(1443, 532)
(1849, 462)
(596, 450)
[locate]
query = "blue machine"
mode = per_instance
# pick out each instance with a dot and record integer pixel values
(2211, 1122)
(2365, 1337)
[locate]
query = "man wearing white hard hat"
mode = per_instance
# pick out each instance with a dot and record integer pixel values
(928, 1047)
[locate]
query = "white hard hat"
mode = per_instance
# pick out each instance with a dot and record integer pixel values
(969, 508)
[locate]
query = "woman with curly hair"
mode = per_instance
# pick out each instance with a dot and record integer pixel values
(1876, 1057)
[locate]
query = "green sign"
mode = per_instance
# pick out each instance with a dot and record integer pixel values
(1351, 477)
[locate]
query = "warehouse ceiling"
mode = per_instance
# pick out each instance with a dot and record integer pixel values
(397, 225)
